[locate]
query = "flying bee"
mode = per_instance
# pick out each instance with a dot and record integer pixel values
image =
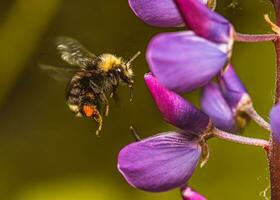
(94, 79)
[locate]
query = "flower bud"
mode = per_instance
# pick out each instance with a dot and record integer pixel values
(175, 109)
(189, 194)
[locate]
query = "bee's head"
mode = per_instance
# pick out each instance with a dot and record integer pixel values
(125, 73)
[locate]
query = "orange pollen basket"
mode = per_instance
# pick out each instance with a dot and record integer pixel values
(89, 110)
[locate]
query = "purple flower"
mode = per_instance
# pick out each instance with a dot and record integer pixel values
(159, 163)
(232, 88)
(167, 160)
(182, 61)
(224, 102)
(275, 122)
(163, 13)
(205, 22)
(189, 194)
(214, 105)
(175, 109)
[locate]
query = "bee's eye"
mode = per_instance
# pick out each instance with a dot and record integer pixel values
(119, 70)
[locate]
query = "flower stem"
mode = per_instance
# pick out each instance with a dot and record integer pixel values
(274, 153)
(240, 139)
(240, 37)
(257, 118)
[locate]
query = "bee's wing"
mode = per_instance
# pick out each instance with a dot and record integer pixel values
(74, 53)
(59, 73)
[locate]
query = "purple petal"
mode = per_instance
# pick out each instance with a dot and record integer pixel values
(159, 163)
(161, 13)
(189, 194)
(275, 122)
(232, 87)
(175, 109)
(216, 107)
(182, 61)
(205, 22)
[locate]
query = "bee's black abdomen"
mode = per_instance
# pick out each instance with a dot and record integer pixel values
(73, 94)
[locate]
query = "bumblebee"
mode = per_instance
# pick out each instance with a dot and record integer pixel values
(94, 79)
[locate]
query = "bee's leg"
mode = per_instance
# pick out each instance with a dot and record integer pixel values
(106, 102)
(95, 88)
(134, 134)
(114, 86)
(131, 94)
(114, 93)
(106, 110)
(98, 118)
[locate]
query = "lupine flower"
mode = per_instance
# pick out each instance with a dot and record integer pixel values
(163, 13)
(184, 61)
(189, 194)
(205, 22)
(157, 12)
(159, 163)
(173, 59)
(233, 89)
(215, 106)
(275, 122)
(167, 160)
(224, 102)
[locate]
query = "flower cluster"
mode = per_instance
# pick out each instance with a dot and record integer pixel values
(181, 62)
(167, 160)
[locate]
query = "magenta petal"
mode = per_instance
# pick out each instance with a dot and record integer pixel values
(205, 22)
(157, 12)
(232, 87)
(182, 61)
(175, 109)
(159, 163)
(275, 122)
(215, 106)
(189, 194)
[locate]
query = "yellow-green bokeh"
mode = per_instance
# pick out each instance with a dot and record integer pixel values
(46, 153)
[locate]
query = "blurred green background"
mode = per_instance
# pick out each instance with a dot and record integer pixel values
(46, 153)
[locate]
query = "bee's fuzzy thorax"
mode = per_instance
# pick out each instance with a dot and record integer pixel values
(109, 61)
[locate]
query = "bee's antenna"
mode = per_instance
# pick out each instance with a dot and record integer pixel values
(134, 134)
(133, 58)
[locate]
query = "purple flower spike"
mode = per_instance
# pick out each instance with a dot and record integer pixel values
(189, 194)
(205, 22)
(232, 87)
(175, 109)
(159, 163)
(161, 13)
(214, 104)
(182, 61)
(275, 122)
